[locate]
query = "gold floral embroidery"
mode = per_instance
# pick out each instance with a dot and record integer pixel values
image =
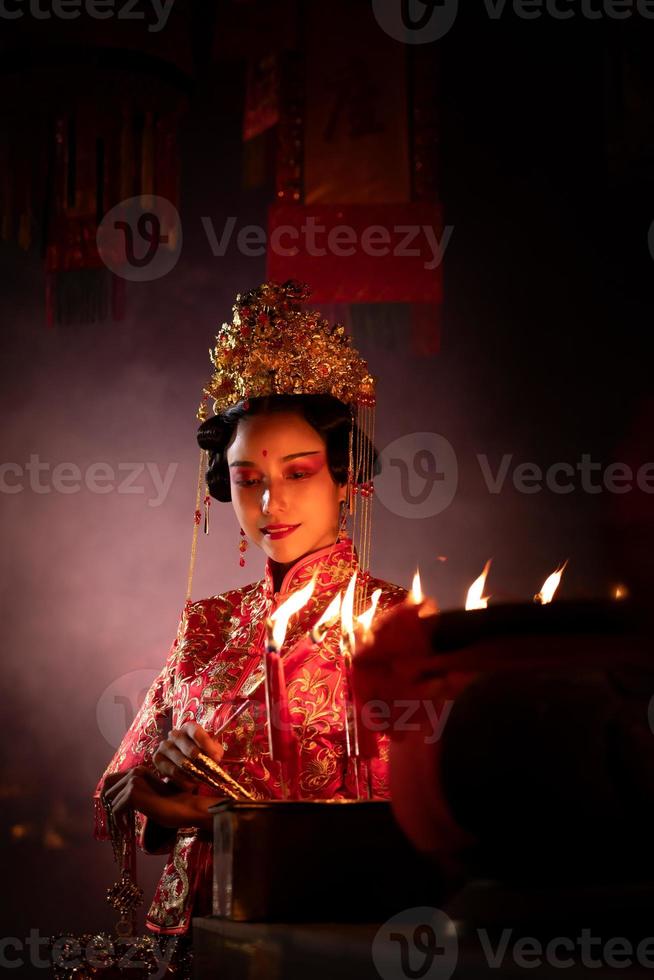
(319, 770)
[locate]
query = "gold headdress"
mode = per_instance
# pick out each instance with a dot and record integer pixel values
(274, 347)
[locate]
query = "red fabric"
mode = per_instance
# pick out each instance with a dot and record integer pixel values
(359, 277)
(213, 676)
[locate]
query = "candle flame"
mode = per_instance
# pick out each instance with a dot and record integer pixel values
(621, 592)
(365, 619)
(331, 612)
(347, 607)
(416, 589)
(550, 585)
(283, 613)
(475, 599)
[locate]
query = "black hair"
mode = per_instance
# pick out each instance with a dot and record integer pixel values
(330, 418)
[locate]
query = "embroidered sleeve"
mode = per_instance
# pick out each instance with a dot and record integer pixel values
(150, 725)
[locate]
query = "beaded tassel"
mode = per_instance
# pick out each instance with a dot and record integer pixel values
(242, 547)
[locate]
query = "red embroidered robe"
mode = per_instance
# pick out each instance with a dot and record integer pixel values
(214, 666)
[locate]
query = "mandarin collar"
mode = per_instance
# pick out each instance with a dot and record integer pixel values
(334, 564)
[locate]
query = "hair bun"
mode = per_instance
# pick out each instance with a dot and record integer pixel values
(210, 433)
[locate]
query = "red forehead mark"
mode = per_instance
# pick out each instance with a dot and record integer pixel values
(265, 452)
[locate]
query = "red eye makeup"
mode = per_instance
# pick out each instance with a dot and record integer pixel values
(309, 465)
(243, 475)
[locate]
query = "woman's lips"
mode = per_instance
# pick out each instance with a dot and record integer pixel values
(277, 531)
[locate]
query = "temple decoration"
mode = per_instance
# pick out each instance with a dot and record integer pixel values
(355, 132)
(103, 130)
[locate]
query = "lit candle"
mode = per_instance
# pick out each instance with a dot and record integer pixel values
(426, 605)
(475, 598)
(346, 648)
(550, 585)
(282, 741)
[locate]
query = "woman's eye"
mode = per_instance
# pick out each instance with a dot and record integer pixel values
(253, 481)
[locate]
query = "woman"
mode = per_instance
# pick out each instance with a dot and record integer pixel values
(283, 446)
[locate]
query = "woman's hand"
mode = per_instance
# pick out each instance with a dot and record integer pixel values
(141, 789)
(137, 789)
(185, 743)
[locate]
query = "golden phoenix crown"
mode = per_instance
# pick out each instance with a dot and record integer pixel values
(273, 347)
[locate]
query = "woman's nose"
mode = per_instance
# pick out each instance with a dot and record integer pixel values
(273, 499)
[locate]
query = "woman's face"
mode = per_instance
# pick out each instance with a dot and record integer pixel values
(284, 496)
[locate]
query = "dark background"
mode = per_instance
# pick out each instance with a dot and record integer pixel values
(546, 163)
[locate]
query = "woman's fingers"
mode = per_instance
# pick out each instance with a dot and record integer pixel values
(168, 759)
(119, 787)
(203, 740)
(122, 802)
(121, 810)
(111, 781)
(184, 743)
(113, 785)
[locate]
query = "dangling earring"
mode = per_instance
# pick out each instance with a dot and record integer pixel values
(342, 530)
(242, 547)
